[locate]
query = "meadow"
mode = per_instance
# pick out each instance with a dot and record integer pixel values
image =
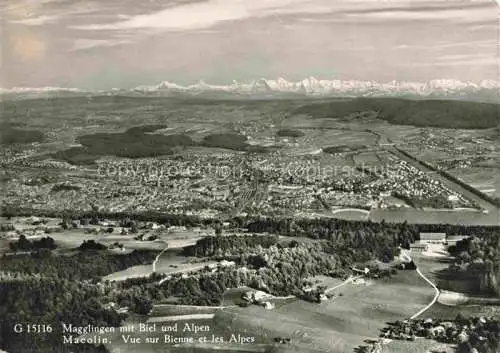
(485, 179)
(339, 324)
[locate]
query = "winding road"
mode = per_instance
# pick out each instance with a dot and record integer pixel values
(436, 296)
(158, 258)
(436, 290)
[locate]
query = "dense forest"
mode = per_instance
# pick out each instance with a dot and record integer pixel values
(255, 224)
(289, 133)
(343, 234)
(220, 246)
(10, 135)
(478, 258)
(52, 289)
(429, 113)
(84, 265)
(138, 142)
(23, 244)
(342, 148)
(51, 300)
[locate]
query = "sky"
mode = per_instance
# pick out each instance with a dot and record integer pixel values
(103, 44)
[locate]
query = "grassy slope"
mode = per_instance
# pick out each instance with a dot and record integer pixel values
(340, 324)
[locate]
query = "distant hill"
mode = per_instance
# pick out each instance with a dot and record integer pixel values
(289, 133)
(133, 143)
(342, 149)
(10, 135)
(137, 142)
(435, 113)
(227, 140)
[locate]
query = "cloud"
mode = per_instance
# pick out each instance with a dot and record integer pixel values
(424, 7)
(445, 45)
(27, 46)
(452, 60)
(84, 43)
(37, 21)
(42, 12)
(201, 15)
(466, 57)
(464, 12)
(196, 14)
(476, 62)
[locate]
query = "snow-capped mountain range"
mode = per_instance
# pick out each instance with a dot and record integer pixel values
(307, 87)
(313, 86)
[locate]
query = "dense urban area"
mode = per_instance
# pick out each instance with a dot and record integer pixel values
(357, 227)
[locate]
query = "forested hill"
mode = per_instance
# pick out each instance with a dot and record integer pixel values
(436, 113)
(479, 257)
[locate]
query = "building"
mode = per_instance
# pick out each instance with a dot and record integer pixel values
(432, 238)
(359, 281)
(453, 239)
(419, 247)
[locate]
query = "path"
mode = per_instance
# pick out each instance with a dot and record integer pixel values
(158, 258)
(194, 267)
(436, 296)
(180, 317)
(365, 212)
(408, 258)
(349, 280)
(427, 307)
(194, 306)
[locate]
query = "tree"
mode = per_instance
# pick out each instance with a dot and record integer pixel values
(143, 305)
(218, 229)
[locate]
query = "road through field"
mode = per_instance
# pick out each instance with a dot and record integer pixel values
(349, 280)
(436, 295)
(158, 258)
(193, 267)
(408, 258)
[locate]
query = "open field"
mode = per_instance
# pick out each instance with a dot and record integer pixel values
(4, 246)
(350, 214)
(340, 324)
(73, 238)
(26, 223)
(177, 310)
(220, 327)
(357, 313)
(428, 216)
(432, 264)
(367, 158)
(484, 179)
(460, 299)
(325, 281)
(421, 345)
(449, 303)
(447, 312)
(169, 263)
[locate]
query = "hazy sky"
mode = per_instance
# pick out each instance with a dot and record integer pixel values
(101, 44)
